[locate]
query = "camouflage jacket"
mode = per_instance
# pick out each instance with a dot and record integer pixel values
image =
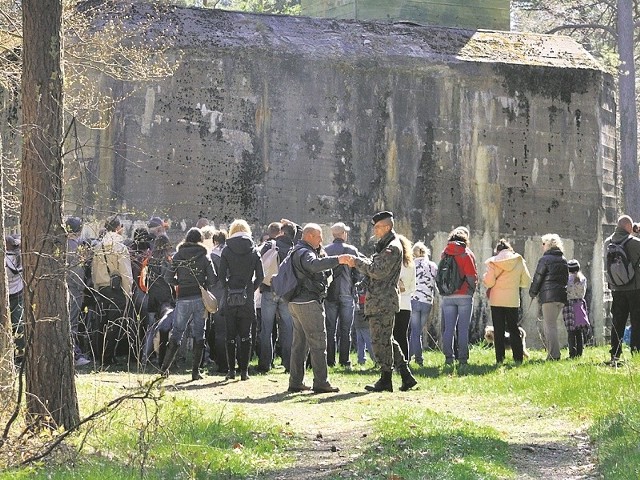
(383, 271)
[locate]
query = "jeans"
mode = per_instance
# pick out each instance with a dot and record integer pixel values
(270, 304)
(339, 320)
(456, 313)
(188, 310)
(363, 342)
(419, 316)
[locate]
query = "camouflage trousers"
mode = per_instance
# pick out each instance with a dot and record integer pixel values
(385, 348)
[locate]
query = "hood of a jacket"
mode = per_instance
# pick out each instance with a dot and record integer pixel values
(455, 248)
(619, 235)
(554, 251)
(240, 244)
(192, 250)
(505, 260)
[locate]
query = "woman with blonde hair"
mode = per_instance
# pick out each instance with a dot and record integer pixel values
(406, 286)
(550, 286)
(240, 275)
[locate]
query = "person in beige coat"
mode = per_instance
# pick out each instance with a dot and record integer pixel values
(506, 274)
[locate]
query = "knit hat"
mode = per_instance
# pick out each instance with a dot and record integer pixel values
(573, 265)
(155, 222)
(73, 224)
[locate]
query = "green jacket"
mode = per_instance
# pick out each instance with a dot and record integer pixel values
(383, 270)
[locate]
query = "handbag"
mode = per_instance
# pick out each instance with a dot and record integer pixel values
(236, 297)
(115, 280)
(209, 299)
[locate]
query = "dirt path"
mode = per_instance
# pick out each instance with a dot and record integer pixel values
(335, 431)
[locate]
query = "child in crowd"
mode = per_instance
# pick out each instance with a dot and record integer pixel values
(574, 312)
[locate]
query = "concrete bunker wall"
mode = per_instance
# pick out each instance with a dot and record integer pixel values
(508, 150)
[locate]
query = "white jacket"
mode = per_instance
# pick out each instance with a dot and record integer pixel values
(407, 285)
(111, 250)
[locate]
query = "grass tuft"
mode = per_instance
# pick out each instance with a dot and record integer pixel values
(425, 444)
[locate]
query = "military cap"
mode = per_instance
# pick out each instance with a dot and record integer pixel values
(381, 216)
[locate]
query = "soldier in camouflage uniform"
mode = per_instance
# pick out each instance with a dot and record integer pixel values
(382, 302)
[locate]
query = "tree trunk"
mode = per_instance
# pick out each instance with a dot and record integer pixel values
(627, 104)
(50, 385)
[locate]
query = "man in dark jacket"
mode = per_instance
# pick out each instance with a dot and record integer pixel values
(309, 334)
(383, 301)
(340, 304)
(281, 237)
(191, 268)
(626, 298)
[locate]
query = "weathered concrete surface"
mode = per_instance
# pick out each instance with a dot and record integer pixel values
(323, 120)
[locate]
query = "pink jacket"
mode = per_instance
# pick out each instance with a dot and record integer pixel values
(506, 274)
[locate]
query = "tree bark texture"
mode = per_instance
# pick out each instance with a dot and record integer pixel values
(50, 385)
(628, 110)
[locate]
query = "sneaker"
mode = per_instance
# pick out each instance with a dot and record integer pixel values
(82, 361)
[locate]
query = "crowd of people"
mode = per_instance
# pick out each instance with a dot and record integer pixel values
(147, 294)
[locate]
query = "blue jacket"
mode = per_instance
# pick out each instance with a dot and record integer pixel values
(343, 276)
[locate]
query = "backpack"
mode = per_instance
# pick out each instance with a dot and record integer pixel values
(620, 270)
(448, 278)
(285, 283)
(270, 263)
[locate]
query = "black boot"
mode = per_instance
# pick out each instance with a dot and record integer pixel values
(384, 384)
(198, 348)
(172, 349)
(243, 358)
(408, 380)
(231, 359)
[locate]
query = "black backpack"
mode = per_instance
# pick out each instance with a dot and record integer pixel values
(620, 270)
(285, 284)
(448, 278)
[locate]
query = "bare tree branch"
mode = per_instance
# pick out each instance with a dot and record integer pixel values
(143, 393)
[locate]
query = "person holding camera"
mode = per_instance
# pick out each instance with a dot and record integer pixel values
(112, 279)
